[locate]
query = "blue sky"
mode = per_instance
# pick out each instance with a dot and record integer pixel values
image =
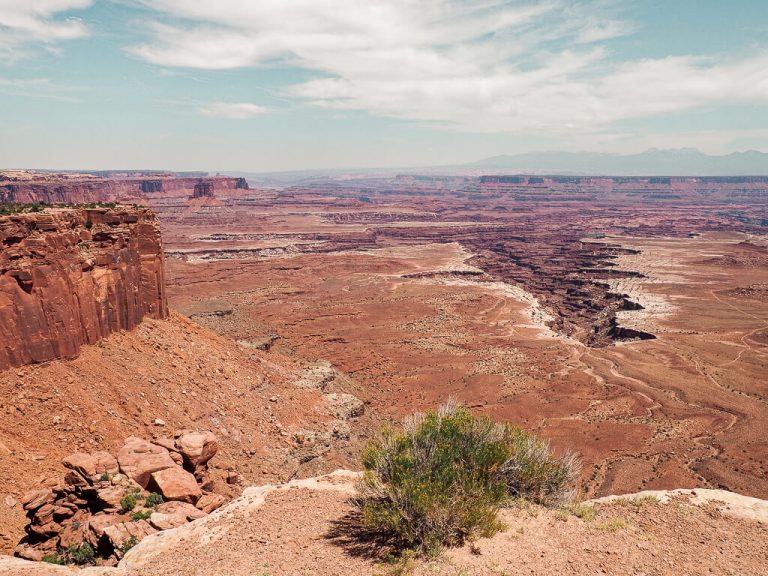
(300, 84)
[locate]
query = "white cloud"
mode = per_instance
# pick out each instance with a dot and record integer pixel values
(232, 110)
(30, 23)
(38, 88)
(525, 67)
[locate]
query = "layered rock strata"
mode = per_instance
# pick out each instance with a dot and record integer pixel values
(71, 277)
(54, 190)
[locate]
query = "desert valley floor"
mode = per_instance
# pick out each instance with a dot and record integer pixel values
(624, 319)
(632, 328)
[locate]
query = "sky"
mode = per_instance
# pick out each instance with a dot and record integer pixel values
(269, 85)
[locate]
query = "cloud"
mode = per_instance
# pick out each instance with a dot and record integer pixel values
(26, 24)
(542, 67)
(232, 110)
(38, 88)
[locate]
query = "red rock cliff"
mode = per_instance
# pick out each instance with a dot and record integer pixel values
(71, 277)
(54, 190)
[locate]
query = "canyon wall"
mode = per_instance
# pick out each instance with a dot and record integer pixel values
(52, 190)
(71, 277)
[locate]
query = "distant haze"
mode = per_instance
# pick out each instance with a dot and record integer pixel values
(683, 162)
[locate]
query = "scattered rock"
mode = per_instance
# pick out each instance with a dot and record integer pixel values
(139, 459)
(31, 501)
(345, 406)
(83, 464)
(210, 502)
(233, 478)
(174, 514)
(196, 447)
(176, 484)
(106, 508)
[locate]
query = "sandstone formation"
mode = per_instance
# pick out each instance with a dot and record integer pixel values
(84, 188)
(106, 505)
(71, 277)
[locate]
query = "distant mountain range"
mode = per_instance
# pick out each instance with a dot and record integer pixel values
(653, 162)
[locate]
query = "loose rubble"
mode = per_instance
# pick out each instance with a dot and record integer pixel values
(105, 505)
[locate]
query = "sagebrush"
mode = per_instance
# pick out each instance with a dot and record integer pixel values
(442, 477)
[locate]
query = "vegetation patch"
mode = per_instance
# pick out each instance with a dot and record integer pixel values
(441, 479)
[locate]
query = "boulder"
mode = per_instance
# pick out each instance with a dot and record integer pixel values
(210, 502)
(29, 552)
(139, 459)
(98, 523)
(74, 533)
(119, 535)
(82, 463)
(105, 463)
(176, 484)
(44, 514)
(35, 499)
(73, 478)
(109, 498)
(196, 447)
(45, 531)
(174, 514)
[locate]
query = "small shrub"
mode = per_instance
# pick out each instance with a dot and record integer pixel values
(586, 512)
(442, 479)
(613, 525)
(105, 477)
(153, 500)
(88, 224)
(141, 515)
(80, 553)
(534, 474)
(53, 559)
(128, 544)
(128, 503)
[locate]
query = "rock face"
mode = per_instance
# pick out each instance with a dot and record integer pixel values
(72, 277)
(104, 502)
(203, 190)
(48, 189)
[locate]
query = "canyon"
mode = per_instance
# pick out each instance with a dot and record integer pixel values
(623, 318)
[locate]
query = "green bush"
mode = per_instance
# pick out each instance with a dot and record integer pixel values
(153, 500)
(128, 544)
(141, 515)
(80, 553)
(127, 503)
(53, 559)
(442, 479)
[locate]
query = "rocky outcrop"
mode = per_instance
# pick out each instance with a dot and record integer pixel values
(106, 505)
(60, 190)
(203, 190)
(71, 277)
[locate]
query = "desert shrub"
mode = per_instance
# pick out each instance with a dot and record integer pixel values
(141, 515)
(128, 503)
(441, 479)
(53, 559)
(533, 473)
(80, 553)
(128, 544)
(153, 500)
